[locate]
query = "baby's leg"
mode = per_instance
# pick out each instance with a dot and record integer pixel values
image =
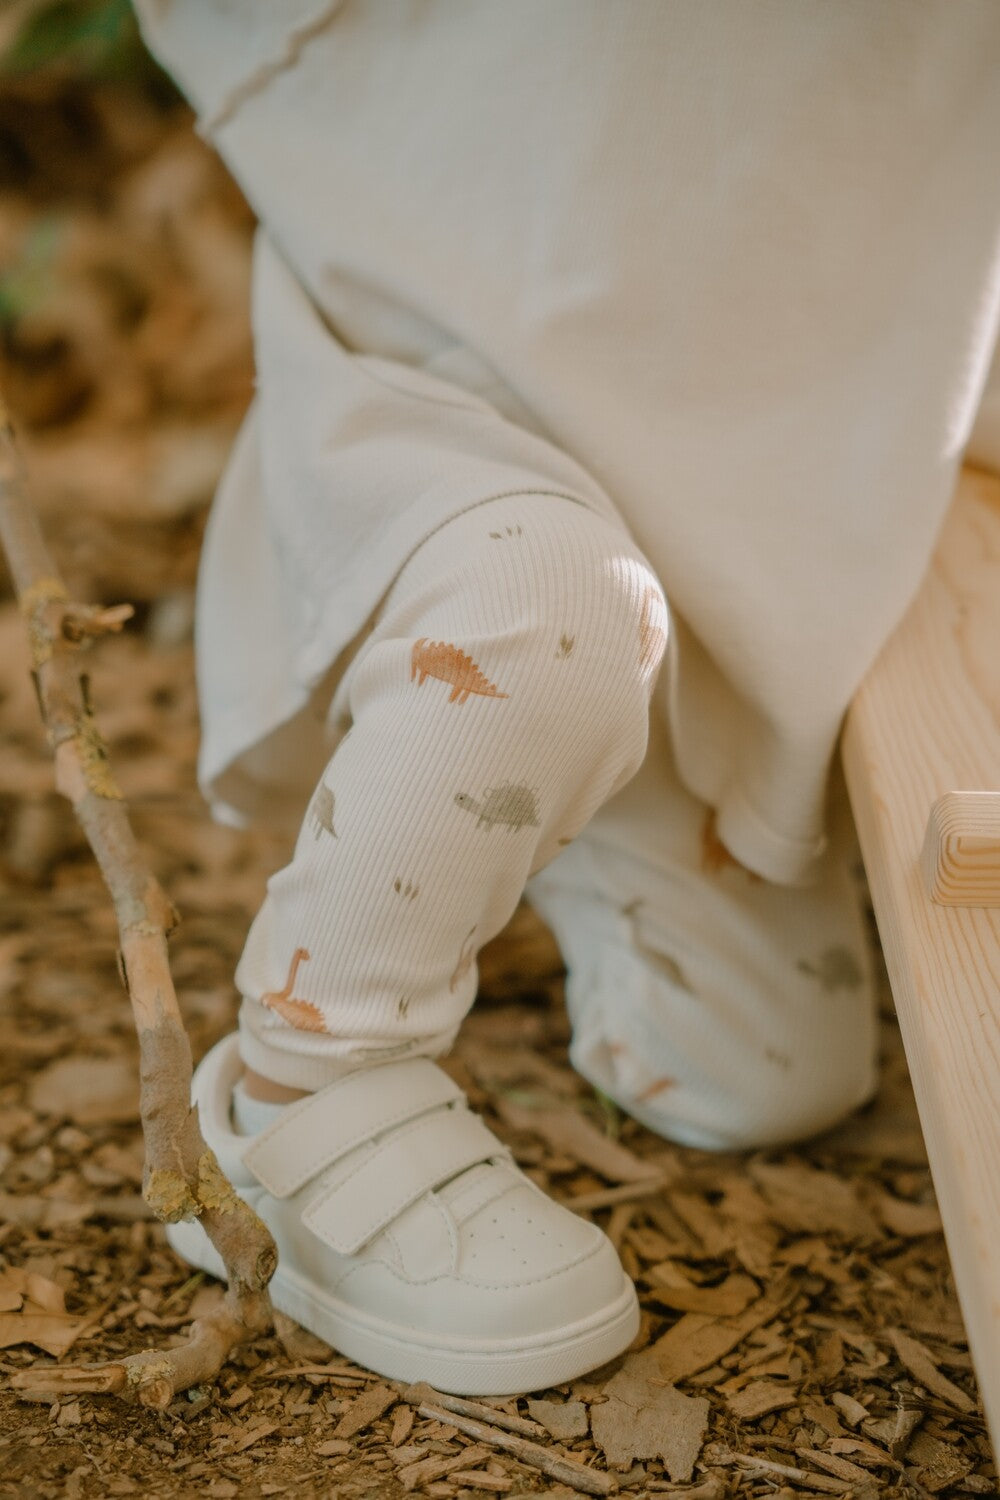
(501, 698)
(721, 1010)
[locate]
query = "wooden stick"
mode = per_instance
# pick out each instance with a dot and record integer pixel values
(182, 1178)
(415, 1394)
(787, 1471)
(565, 1470)
(629, 1192)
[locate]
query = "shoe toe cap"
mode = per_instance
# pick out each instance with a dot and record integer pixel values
(525, 1269)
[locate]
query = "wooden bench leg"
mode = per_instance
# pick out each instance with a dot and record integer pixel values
(925, 724)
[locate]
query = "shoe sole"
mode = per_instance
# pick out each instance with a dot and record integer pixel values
(503, 1369)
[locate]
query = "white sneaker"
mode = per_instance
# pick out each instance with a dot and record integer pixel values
(409, 1239)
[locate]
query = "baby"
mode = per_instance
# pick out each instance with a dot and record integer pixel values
(563, 311)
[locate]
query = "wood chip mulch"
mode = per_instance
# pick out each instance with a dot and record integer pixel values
(800, 1331)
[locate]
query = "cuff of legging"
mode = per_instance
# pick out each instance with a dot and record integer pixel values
(309, 1061)
(762, 849)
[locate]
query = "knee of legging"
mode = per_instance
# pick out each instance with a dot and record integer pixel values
(599, 632)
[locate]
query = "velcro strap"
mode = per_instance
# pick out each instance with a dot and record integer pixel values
(402, 1169)
(315, 1132)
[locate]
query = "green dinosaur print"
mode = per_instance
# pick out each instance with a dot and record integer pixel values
(512, 804)
(566, 644)
(322, 810)
(406, 889)
(836, 969)
(498, 536)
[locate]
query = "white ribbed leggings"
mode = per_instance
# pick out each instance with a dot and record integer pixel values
(500, 700)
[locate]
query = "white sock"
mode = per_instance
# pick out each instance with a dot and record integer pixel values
(252, 1115)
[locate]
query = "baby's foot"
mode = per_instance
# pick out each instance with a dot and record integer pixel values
(409, 1239)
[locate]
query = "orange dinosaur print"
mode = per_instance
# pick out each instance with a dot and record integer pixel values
(448, 663)
(466, 959)
(652, 1089)
(652, 636)
(301, 1014)
(714, 854)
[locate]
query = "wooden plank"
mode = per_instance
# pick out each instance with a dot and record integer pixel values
(926, 721)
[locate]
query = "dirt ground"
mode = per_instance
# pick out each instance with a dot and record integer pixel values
(800, 1332)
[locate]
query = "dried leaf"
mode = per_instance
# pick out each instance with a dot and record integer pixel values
(88, 1090)
(365, 1410)
(852, 1411)
(299, 1344)
(697, 1341)
(726, 1300)
(760, 1397)
(644, 1418)
(49, 1331)
(808, 1201)
(908, 1220)
(566, 1130)
(426, 1470)
(940, 1464)
(45, 1294)
(563, 1419)
(921, 1366)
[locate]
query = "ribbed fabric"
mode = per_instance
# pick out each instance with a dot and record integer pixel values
(501, 697)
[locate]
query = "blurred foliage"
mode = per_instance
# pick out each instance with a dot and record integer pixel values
(27, 282)
(88, 40)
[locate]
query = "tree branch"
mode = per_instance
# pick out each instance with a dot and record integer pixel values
(182, 1178)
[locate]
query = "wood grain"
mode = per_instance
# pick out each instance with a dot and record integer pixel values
(961, 853)
(925, 721)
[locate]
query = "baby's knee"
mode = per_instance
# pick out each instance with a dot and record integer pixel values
(600, 622)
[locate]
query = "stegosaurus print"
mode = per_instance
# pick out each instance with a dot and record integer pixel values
(836, 968)
(513, 804)
(449, 663)
(301, 1014)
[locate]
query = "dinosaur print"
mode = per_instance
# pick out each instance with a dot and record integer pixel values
(512, 804)
(449, 663)
(301, 1014)
(631, 1066)
(498, 536)
(321, 810)
(566, 644)
(652, 636)
(409, 891)
(466, 959)
(836, 969)
(658, 1086)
